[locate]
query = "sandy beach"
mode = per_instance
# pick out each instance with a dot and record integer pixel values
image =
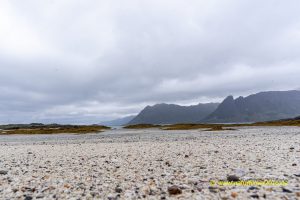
(151, 164)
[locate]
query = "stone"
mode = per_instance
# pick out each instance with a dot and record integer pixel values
(213, 189)
(254, 196)
(234, 194)
(111, 197)
(252, 188)
(174, 190)
(286, 190)
(3, 172)
(28, 198)
(297, 175)
(233, 178)
(40, 196)
(118, 190)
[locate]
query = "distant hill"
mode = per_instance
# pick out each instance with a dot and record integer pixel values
(263, 106)
(171, 113)
(118, 122)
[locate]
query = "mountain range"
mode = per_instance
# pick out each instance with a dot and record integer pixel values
(263, 106)
(172, 114)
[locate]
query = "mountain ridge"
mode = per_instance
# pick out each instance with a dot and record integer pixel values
(171, 113)
(262, 106)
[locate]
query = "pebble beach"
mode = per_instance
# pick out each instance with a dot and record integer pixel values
(151, 164)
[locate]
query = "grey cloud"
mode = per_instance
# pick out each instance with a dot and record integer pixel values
(84, 62)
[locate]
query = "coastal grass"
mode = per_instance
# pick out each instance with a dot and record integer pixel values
(142, 126)
(279, 123)
(76, 129)
(222, 127)
(216, 127)
(83, 129)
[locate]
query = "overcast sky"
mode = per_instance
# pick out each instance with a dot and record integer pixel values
(72, 61)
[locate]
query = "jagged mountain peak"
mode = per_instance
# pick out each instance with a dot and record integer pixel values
(263, 106)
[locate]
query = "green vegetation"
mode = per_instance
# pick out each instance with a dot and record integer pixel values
(37, 128)
(216, 127)
(289, 122)
(50, 129)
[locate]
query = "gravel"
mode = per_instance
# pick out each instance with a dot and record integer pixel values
(150, 164)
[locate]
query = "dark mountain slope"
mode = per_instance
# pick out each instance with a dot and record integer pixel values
(171, 114)
(264, 106)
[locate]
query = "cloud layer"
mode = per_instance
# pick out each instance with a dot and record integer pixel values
(87, 61)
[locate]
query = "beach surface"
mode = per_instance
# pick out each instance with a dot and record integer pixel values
(151, 164)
